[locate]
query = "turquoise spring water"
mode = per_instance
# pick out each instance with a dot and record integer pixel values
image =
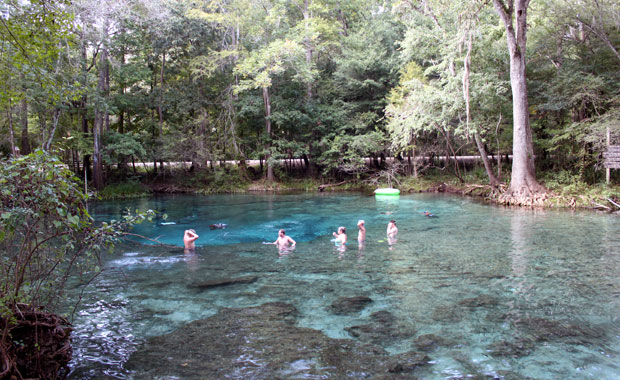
(483, 277)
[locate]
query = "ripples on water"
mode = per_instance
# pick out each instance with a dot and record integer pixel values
(532, 292)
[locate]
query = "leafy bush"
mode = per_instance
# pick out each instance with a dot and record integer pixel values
(130, 189)
(46, 236)
(220, 180)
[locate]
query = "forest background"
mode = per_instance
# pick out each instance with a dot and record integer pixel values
(356, 92)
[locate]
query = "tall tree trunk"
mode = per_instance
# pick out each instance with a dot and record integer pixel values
(55, 118)
(99, 124)
(11, 132)
(312, 167)
(523, 184)
(493, 181)
(86, 159)
(25, 139)
(268, 132)
(308, 43)
(160, 106)
(83, 111)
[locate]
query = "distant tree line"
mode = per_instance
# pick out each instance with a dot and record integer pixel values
(110, 83)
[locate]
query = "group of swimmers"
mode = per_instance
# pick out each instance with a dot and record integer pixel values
(340, 237)
(285, 241)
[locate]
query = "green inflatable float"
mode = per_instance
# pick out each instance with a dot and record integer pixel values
(387, 191)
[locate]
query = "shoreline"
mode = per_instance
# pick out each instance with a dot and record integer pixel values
(595, 199)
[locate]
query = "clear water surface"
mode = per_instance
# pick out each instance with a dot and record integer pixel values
(468, 275)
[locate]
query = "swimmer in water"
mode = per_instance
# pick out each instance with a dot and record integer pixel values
(189, 237)
(340, 236)
(218, 226)
(361, 234)
(392, 230)
(284, 241)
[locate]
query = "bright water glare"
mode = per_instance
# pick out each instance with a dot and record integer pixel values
(533, 294)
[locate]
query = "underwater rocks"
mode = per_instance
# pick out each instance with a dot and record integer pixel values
(223, 282)
(547, 330)
(263, 343)
(349, 305)
(384, 327)
(407, 362)
(514, 349)
(480, 301)
(429, 342)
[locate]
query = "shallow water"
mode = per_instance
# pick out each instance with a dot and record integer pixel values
(536, 293)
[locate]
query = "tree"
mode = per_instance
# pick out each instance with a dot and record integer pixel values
(259, 69)
(439, 97)
(523, 183)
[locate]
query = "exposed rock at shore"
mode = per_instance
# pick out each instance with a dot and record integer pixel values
(263, 343)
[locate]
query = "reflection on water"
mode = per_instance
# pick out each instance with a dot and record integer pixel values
(481, 289)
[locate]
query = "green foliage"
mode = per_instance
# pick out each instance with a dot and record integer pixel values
(346, 80)
(46, 233)
(129, 189)
(229, 180)
(119, 147)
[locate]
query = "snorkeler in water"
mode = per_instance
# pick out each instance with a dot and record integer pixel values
(220, 226)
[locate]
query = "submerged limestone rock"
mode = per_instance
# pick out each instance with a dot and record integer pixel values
(349, 305)
(480, 301)
(384, 327)
(223, 282)
(514, 349)
(263, 343)
(429, 342)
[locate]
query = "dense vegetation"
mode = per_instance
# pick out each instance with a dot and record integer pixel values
(110, 84)
(322, 89)
(46, 237)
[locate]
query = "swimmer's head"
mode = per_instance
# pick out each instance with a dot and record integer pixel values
(281, 232)
(360, 222)
(393, 221)
(192, 231)
(341, 230)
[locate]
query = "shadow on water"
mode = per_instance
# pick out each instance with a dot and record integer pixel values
(478, 292)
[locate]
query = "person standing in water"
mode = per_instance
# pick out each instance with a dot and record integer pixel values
(340, 236)
(284, 241)
(361, 234)
(392, 230)
(189, 237)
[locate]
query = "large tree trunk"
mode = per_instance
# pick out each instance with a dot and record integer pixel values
(99, 124)
(493, 181)
(308, 43)
(523, 185)
(268, 131)
(11, 132)
(25, 140)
